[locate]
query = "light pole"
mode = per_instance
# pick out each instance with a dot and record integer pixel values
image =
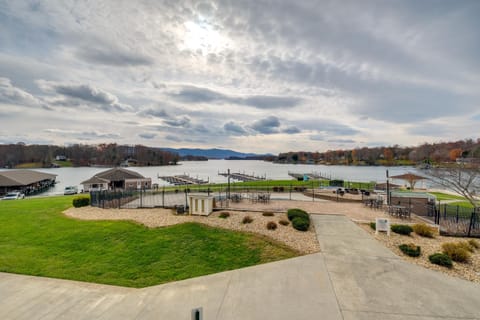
(388, 190)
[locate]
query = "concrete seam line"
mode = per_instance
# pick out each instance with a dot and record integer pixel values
(224, 295)
(331, 283)
(411, 314)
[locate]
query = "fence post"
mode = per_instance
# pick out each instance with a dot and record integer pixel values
(457, 213)
(141, 198)
(313, 192)
(163, 197)
(472, 221)
(186, 199)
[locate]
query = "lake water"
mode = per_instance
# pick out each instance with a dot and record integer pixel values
(208, 170)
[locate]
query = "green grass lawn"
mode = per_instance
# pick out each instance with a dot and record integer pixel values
(445, 196)
(36, 239)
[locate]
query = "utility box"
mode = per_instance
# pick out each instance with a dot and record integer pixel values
(200, 204)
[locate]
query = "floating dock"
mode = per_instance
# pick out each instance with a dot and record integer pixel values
(242, 176)
(180, 180)
(310, 176)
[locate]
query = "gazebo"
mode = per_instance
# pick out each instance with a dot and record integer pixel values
(411, 178)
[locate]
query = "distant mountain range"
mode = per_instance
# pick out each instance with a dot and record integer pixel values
(212, 153)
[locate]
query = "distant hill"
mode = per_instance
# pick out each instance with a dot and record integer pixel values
(211, 153)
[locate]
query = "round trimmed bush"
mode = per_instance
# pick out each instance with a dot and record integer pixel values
(402, 229)
(247, 219)
(81, 201)
(224, 215)
(271, 225)
(300, 223)
(441, 259)
(284, 222)
(294, 213)
(410, 249)
(268, 214)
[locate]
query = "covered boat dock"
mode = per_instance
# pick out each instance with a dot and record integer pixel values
(27, 181)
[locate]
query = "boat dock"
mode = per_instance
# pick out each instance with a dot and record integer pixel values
(242, 176)
(180, 180)
(310, 176)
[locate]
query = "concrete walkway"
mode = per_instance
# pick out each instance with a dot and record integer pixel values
(354, 277)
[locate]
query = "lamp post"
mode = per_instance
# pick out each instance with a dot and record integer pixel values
(388, 190)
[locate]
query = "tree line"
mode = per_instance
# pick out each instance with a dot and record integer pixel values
(13, 155)
(432, 153)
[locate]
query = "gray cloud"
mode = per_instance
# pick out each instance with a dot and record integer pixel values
(291, 130)
(147, 135)
(173, 138)
(234, 128)
(84, 93)
(342, 141)
(114, 57)
(179, 122)
(10, 94)
(83, 135)
(193, 94)
(267, 125)
(154, 113)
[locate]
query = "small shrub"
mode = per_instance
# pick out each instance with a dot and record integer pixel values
(456, 251)
(284, 222)
(224, 215)
(271, 225)
(268, 214)
(300, 224)
(293, 213)
(81, 201)
(474, 243)
(441, 259)
(247, 219)
(410, 249)
(373, 225)
(402, 229)
(423, 230)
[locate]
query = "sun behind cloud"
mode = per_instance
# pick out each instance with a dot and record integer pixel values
(204, 38)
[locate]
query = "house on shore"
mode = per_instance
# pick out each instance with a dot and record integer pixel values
(26, 181)
(117, 178)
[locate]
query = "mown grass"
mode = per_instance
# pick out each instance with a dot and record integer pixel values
(445, 196)
(36, 239)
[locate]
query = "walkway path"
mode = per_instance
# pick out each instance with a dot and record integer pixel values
(354, 277)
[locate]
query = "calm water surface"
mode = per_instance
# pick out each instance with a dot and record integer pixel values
(208, 170)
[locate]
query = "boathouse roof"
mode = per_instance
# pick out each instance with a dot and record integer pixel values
(14, 178)
(115, 174)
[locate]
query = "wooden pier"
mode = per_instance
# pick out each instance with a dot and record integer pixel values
(180, 180)
(242, 176)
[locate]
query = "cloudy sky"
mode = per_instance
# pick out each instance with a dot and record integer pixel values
(250, 75)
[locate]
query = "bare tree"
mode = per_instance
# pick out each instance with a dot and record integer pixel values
(463, 178)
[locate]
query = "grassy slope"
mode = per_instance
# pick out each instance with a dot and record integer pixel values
(36, 239)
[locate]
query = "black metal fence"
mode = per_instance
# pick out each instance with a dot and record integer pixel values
(454, 219)
(172, 198)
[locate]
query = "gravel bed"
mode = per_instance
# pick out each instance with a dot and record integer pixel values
(468, 271)
(304, 242)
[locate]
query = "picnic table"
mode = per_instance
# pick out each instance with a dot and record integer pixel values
(399, 211)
